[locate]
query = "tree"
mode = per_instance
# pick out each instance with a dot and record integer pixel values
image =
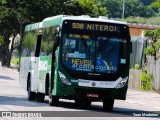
(15, 14)
(155, 4)
(154, 37)
(2, 43)
(132, 8)
(147, 2)
(112, 11)
(8, 28)
(135, 8)
(93, 8)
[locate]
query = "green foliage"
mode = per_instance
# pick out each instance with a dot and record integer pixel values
(15, 14)
(149, 50)
(158, 14)
(135, 20)
(7, 20)
(15, 60)
(148, 33)
(147, 2)
(142, 20)
(136, 8)
(157, 33)
(157, 45)
(154, 45)
(132, 8)
(136, 67)
(3, 1)
(93, 8)
(47, 46)
(146, 81)
(29, 41)
(72, 8)
(112, 11)
(2, 43)
(155, 4)
(47, 42)
(99, 10)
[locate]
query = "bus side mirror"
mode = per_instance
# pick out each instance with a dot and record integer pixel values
(57, 38)
(57, 41)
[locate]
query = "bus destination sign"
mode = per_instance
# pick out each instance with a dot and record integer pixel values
(95, 27)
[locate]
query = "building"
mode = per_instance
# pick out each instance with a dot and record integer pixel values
(138, 29)
(139, 42)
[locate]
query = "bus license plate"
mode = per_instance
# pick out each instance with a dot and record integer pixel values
(92, 95)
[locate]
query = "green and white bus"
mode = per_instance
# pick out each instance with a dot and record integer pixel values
(78, 58)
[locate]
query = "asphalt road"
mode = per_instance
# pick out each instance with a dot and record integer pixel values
(13, 100)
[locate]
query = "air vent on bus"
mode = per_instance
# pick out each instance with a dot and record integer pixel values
(103, 17)
(85, 16)
(52, 18)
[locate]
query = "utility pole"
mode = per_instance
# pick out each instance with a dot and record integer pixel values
(123, 10)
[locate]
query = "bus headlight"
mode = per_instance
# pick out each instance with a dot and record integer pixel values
(63, 78)
(122, 83)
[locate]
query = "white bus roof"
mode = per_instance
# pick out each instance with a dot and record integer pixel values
(59, 18)
(87, 18)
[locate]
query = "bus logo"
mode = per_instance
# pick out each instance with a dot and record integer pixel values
(93, 84)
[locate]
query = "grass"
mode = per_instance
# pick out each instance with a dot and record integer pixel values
(15, 60)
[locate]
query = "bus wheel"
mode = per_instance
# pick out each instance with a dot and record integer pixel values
(40, 97)
(30, 95)
(82, 103)
(108, 104)
(53, 100)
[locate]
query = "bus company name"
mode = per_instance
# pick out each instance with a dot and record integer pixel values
(87, 65)
(81, 62)
(96, 27)
(43, 65)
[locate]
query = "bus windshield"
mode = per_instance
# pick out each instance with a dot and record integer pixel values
(93, 53)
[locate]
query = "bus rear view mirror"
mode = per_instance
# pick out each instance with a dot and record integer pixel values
(57, 41)
(57, 29)
(57, 38)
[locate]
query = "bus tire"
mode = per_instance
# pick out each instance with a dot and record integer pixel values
(108, 104)
(40, 97)
(30, 94)
(53, 100)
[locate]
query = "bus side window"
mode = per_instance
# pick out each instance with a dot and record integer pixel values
(46, 48)
(38, 45)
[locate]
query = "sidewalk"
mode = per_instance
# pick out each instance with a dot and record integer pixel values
(12, 68)
(144, 98)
